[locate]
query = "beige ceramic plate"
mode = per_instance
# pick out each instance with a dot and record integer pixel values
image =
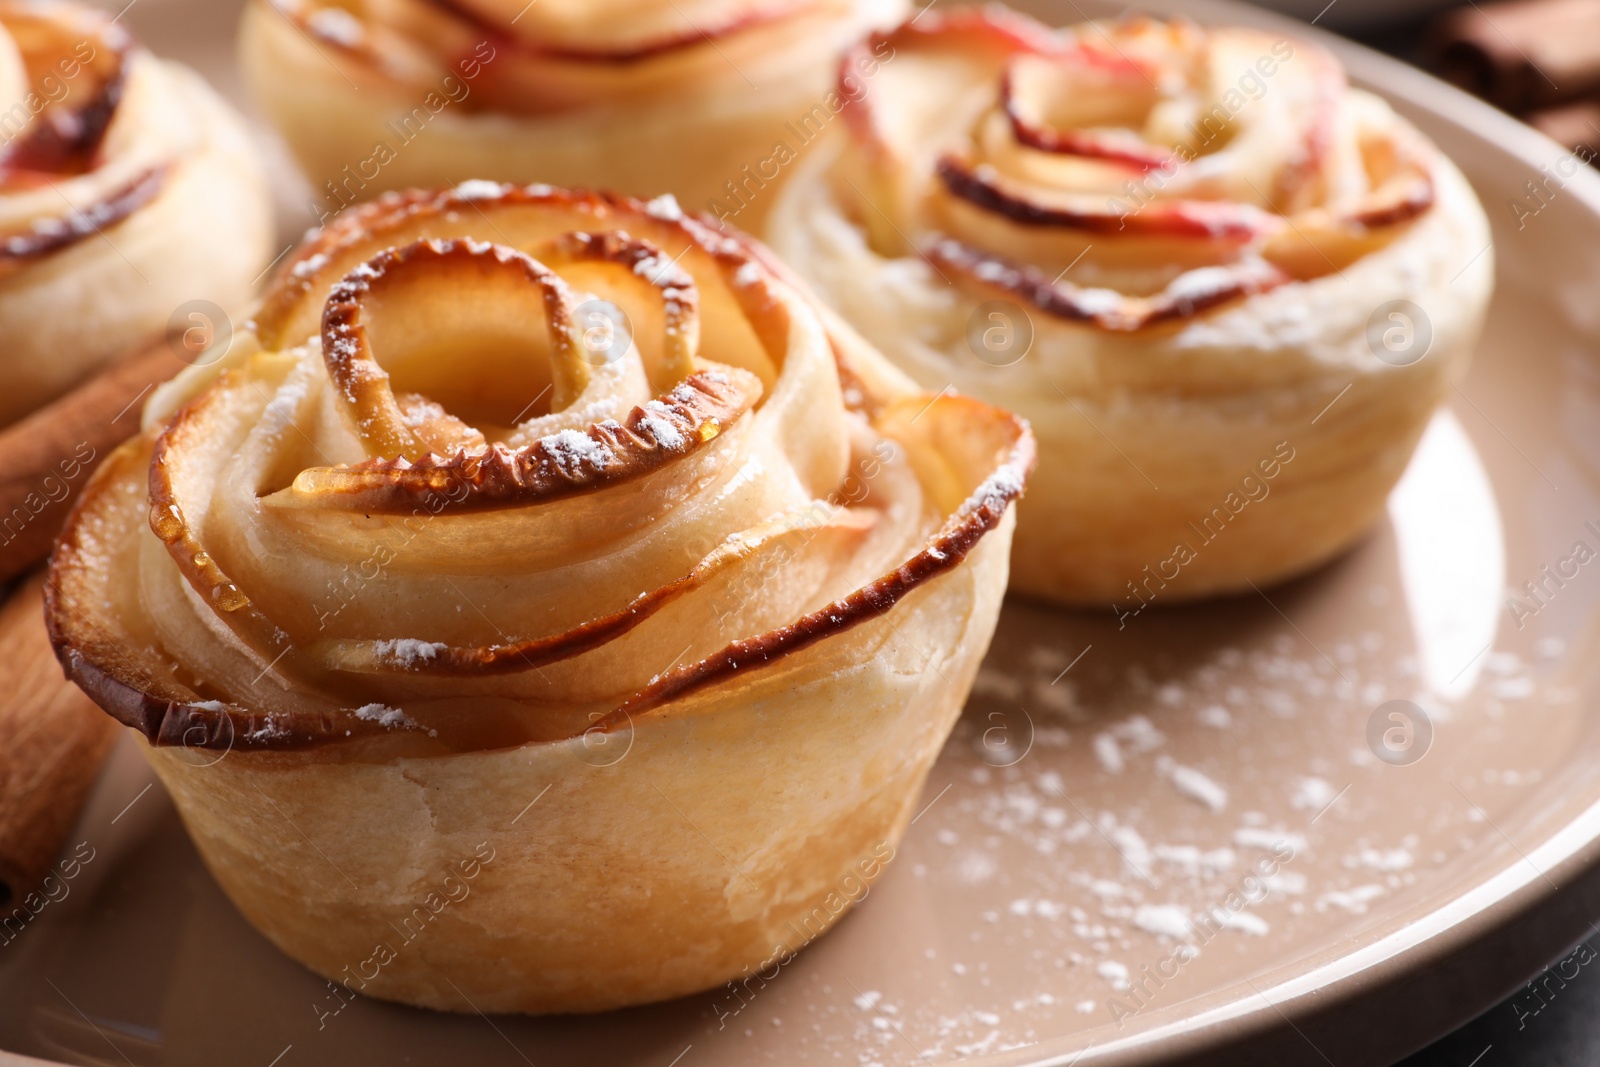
(1107, 786)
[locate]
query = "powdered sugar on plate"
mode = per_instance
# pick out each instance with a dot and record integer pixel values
(384, 716)
(407, 651)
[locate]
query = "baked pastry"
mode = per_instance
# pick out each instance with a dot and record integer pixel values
(710, 100)
(593, 561)
(127, 190)
(1227, 290)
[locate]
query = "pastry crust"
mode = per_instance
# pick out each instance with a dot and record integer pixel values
(638, 96)
(153, 200)
(1227, 290)
(378, 635)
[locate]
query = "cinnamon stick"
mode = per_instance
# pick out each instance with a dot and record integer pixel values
(1521, 54)
(52, 743)
(50, 454)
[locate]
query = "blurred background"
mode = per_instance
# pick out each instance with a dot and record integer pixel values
(1536, 59)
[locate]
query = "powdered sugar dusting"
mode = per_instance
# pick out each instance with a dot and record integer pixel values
(384, 715)
(1165, 920)
(1312, 794)
(573, 450)
(478, 189)
(664, 207)
(407, 651)
(657, 423)
(1156, 817)
(1195, 785)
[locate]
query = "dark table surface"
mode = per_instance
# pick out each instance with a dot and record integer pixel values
(1554, 1021)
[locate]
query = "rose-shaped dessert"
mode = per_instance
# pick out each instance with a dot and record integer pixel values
(1227, 290)
(127, 189)
(550, 528)
(641, 96)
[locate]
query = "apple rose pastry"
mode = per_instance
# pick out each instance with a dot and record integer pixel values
(642, 96)
(586, 557)
(1226, 289)
(127, 189)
